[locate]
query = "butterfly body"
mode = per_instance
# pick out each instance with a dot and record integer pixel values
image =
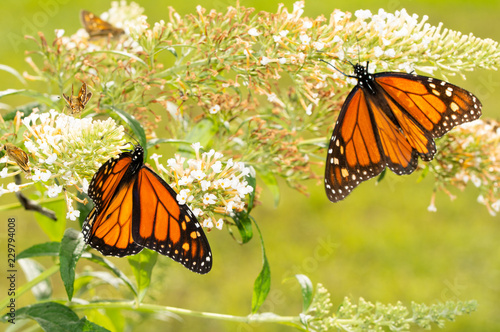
(77, 103)
(135, 208)
(390, 119)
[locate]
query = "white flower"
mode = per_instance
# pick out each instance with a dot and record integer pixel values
(4, 173)
(197, 175)
(196, 146)
(2, 191)
(214, 109)
(264, 61)
(282, 60)
(283, 33)
(318, 46)
(277, 39)
(197, 212)
(209, 199)
(85, 186)
(59, 33)
(217, 167)
(182, 196)
(219, 223)
(254, 32)
(307, 25)
(390, 53)
(73, 214)
(54, 190)
(185, 180)
(12, 187)
(205, 185)
(272, 97)
(172, 163)
(229, 206)
(363, 14)
(305, 39)
(207, 223)
(51, 159)
(155, 157)
(432, 207)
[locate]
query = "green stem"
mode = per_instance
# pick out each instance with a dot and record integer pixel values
(152, 308)
(30, 284)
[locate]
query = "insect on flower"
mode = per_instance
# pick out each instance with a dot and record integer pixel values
(97, 27)
(77, 103)
(390, 119)
(135, 208)
(18, 156)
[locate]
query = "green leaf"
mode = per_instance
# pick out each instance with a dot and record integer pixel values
(110, 266)
(307, 290)
(42, 249)
(154, 141)
(132, 123)
(128, 55)
(32, 269)
(49, 100)
(244, 224)
(53, 229)
(270, 181)
(142, 265)
(51, 316)
(14, 72)
(262, 284)
(72, 246)
(252, 181)
(203, 132)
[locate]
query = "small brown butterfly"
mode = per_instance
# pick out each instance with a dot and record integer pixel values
(97, 27)
(18, 156)
(77, 104)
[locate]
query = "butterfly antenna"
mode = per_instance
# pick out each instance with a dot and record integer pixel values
(340, 71)
(132, 137)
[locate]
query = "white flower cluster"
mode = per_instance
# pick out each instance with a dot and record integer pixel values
(209, 185)
(66, 149)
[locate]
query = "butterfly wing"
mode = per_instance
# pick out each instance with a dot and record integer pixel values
(436, 106)
(354, 154)
(97, 27)
(161, 224)
(108, 227)
(18, 156)
(389, 119)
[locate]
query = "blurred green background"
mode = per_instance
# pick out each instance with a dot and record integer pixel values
(381, 243)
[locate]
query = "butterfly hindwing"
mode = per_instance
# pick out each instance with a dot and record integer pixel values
(176, 232)
(390, 119)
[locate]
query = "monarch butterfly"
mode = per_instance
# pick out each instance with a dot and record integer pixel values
(17, 155)
(135, 208)
(389, 119)
(78, 103)
(97, 27)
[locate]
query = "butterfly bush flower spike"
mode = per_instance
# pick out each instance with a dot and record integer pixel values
(216, 186)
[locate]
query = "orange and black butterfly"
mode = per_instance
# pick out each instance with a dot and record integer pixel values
(97, 27)
(18, 156)
(77, 103)
(134, 209)
(390, 119)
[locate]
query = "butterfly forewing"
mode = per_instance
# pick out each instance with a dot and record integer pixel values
(389, 119)
(18, 156)
(97, 27)
(353, 154)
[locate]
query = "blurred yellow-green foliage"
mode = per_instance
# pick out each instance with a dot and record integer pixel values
(381, 243)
